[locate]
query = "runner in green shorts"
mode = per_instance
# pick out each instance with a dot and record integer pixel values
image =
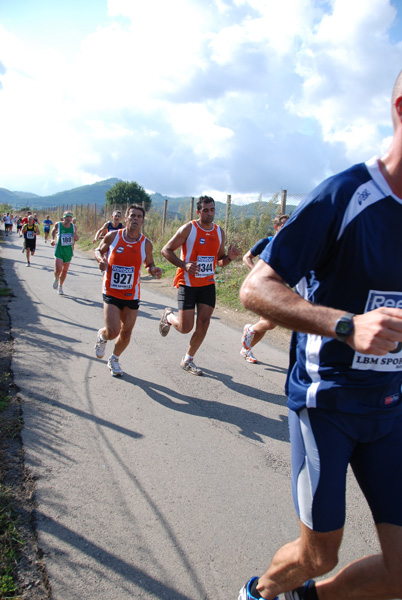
(66, 236)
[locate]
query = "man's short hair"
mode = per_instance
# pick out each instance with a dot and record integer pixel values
(204, 200)
(137, 207)
(281, 219)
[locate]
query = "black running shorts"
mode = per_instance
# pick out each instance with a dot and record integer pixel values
(188, 297)
(133, 304)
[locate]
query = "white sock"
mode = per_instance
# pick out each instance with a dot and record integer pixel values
(168, 318)
(187, 358)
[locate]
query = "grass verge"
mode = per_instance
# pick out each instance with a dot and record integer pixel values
(10, 426)
(10, 544)
(22, 574)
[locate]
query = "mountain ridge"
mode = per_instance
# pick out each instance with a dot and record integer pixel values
(95, 193)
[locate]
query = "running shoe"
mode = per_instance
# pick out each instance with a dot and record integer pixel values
(55, 284)
(100, 345)
(247, 336)
(300, 593)
(248, 355)
(164, 326)
(245, 593)
(189, 366)
(60, 290)
(113, 364)
(28, 264)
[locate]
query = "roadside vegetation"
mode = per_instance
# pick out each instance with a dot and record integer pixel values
(10, 539)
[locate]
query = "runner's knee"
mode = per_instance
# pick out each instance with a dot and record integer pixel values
(111, 332)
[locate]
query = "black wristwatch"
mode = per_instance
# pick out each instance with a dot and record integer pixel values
(344, 327)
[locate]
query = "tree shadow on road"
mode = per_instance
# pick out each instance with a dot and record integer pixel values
(108, 563)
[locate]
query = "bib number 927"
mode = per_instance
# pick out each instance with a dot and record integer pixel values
(122, 278)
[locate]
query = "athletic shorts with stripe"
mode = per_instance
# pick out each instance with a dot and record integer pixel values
(323, 443)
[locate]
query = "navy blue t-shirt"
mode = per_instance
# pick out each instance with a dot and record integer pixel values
(342, 248)
(260, 245)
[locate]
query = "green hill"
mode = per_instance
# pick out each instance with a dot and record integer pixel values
(86, 194)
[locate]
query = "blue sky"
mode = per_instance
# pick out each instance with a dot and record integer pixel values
(189, 97)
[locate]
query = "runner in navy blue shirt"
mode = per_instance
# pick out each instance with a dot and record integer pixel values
(109, 226)
(252, 334)
(345, 375)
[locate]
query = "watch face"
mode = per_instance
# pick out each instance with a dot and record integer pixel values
(343, 327)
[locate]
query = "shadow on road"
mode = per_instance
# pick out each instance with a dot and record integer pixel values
(250, 424)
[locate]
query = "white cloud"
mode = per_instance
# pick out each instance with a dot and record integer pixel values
(348, 66)
(235, 95)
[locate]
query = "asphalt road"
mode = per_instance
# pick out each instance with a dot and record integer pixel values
(159, 485)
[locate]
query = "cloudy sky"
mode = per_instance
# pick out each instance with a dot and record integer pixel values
(193, 96)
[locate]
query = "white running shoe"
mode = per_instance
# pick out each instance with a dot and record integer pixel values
(248, 355)
(247, 336)
(60, 290)
(164, 326)
(100, 345)
(113, 364)
(190, 367)
(55, 284)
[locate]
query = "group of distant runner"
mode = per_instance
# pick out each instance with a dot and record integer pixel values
(122, 252)
(63, 236)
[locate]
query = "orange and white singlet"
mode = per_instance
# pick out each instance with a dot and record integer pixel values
(202, 247)
(122, 276)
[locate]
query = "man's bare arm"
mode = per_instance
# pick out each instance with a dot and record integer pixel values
(266, 293)
(169, 250)
(102, 250)
(248, 260)
(53, 234)
(100, 233)
(149, 261)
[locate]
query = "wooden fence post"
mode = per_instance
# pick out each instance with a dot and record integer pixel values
(283, 201)
(164, 216)
(228, 202)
